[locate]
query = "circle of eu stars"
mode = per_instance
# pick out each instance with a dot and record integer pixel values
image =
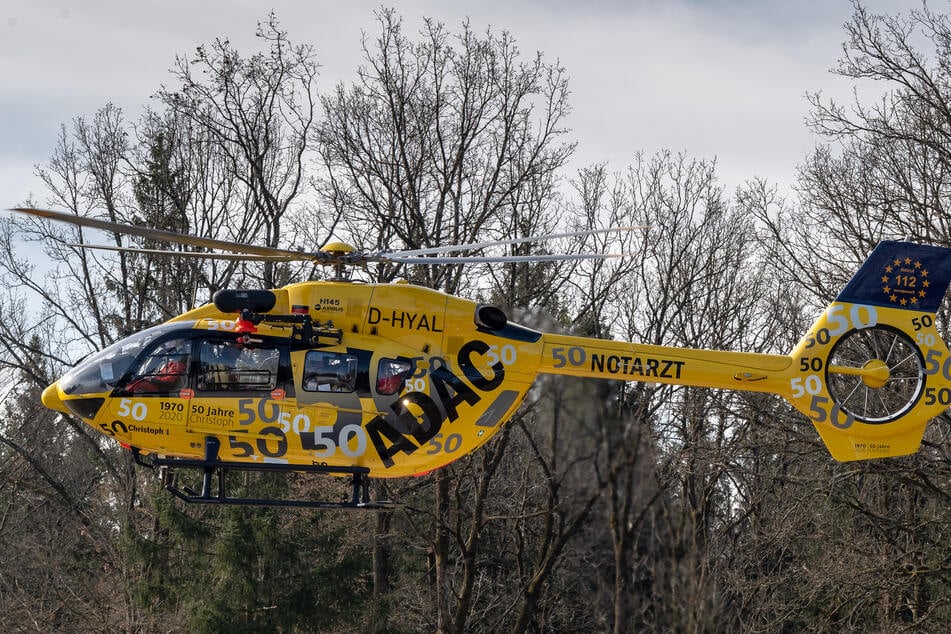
(905, 281)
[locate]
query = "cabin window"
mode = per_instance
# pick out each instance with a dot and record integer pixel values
(102, 370)
(391, 374)
(329, 372)
(227, 366)
(164, 370)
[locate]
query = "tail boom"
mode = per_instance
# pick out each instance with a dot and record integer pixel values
(869, 374)
(619, 360)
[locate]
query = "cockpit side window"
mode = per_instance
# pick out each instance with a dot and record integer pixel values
(104, 369)
(225, 365)
(163, 370)
(391, 375)
(329, 372)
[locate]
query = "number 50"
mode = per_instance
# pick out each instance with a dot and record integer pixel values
(506, 354)
(812, 384)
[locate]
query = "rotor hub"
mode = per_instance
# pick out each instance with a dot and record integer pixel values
(337, 249)
(875, 374)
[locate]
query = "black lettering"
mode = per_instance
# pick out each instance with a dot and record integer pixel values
(444, 380)
(423, 323)
(671, 364)
(374, 316)
(422, 427)
(378, 429)
(651, 369)
(394, 320)
(472, 373)
(635, 366)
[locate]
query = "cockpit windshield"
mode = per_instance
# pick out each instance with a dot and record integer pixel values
(102, 370)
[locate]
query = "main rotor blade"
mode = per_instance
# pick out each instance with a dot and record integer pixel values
(498, 243)
(169, 236)
(204, 255)
(497, 258)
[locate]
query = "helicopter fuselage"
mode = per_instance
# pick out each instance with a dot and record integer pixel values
(390, 380)
(395, 378)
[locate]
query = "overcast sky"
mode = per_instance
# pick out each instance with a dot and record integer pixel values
(720, 79)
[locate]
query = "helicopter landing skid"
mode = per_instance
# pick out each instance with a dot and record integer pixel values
(214, 469)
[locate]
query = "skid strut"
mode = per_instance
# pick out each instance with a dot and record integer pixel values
(214, 489)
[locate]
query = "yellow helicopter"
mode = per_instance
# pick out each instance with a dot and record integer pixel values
(394, 380)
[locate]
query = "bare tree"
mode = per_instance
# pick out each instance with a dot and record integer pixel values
(439, 140)
(172, 174)
(260, 112)
(892, 178)
(442, 141)
(883, 175)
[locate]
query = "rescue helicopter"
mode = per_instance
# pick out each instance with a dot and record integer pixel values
(367, 380)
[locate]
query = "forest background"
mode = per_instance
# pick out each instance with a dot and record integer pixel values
(601, 506)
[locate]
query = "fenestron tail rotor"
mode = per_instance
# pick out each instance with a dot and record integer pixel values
(333, 254)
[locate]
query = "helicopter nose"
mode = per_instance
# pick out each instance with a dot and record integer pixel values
(52, 400)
